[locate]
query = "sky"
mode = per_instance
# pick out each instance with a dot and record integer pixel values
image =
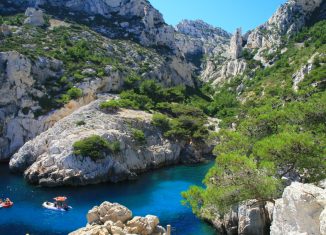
(227, 14)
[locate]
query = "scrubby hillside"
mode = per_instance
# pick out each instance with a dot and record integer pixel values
(275, 135)
(46, 66)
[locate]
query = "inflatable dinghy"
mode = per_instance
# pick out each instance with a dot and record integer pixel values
(52, 206)
(6, 204)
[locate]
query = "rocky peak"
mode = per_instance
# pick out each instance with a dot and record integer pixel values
(197, 38)
(287, 20)
(236, 44)
(200, 29)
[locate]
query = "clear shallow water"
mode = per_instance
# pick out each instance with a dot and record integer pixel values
(157, 193)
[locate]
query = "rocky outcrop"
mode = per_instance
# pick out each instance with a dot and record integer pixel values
(228, 64)
(19, 98)
(34, 17)
(302, 72)
(5, 30)
(288, 19)
(219, 73)
(197, 38)
(248, 218)
(22, 90)
(301, 210)
(236, 45)
(131, 19)
(26, 83)
(113, 218)
(49, 160)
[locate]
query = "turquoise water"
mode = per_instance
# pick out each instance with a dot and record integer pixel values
(157, 193)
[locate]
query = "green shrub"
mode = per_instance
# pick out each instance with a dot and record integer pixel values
(81, 123)
(131, 81)
(137, 101)
(110, 105)
(95, 147)
(161, 121)
(74, 93)
(139, 136)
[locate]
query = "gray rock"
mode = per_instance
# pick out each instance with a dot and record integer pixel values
(287, 20)
(236, 45)
(34, 17)
(301, 210)
(197, 38)
(5, 30)
(248, 218)
(49, 160)
(113, 218)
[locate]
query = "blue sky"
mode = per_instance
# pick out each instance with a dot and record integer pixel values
(227, 14)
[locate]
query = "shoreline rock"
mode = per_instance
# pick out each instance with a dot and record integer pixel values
(48, 159)
(301, 210)
(113, 218)
(248, 218)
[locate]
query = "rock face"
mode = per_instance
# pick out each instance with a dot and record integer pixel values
(302, 72)
(197, 38)
(301, 210)
(236, 44)
(228, 64)
(246, 219)
(25, 84)
(17, 89)
(34, 17)
(144, 22)
(48, 159)
(113, 218)
(288, 19)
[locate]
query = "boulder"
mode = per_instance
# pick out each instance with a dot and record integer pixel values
(143, 225)
(113, 218)
(5, 30)
(301, 210)
(34, 17)
(108, 212)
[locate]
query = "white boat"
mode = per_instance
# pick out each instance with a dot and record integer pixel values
(52, 206)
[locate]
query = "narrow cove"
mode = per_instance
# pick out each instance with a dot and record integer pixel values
(156, 192)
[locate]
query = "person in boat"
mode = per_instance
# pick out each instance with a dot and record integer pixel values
(1, 201)
(7, 201)
(60, 202)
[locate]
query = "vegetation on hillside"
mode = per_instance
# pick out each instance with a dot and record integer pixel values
(280, 132)
(84, 54)
(95, 147)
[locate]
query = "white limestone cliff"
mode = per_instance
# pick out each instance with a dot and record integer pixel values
(301, 210)
(49, 160)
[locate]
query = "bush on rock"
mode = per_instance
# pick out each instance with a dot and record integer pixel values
(95, 147)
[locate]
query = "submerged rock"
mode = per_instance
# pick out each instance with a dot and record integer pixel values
(301, 210)
(113, 218)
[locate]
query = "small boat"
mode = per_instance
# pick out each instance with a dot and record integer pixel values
(53, 206)
(58, 205)
(6, 204)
